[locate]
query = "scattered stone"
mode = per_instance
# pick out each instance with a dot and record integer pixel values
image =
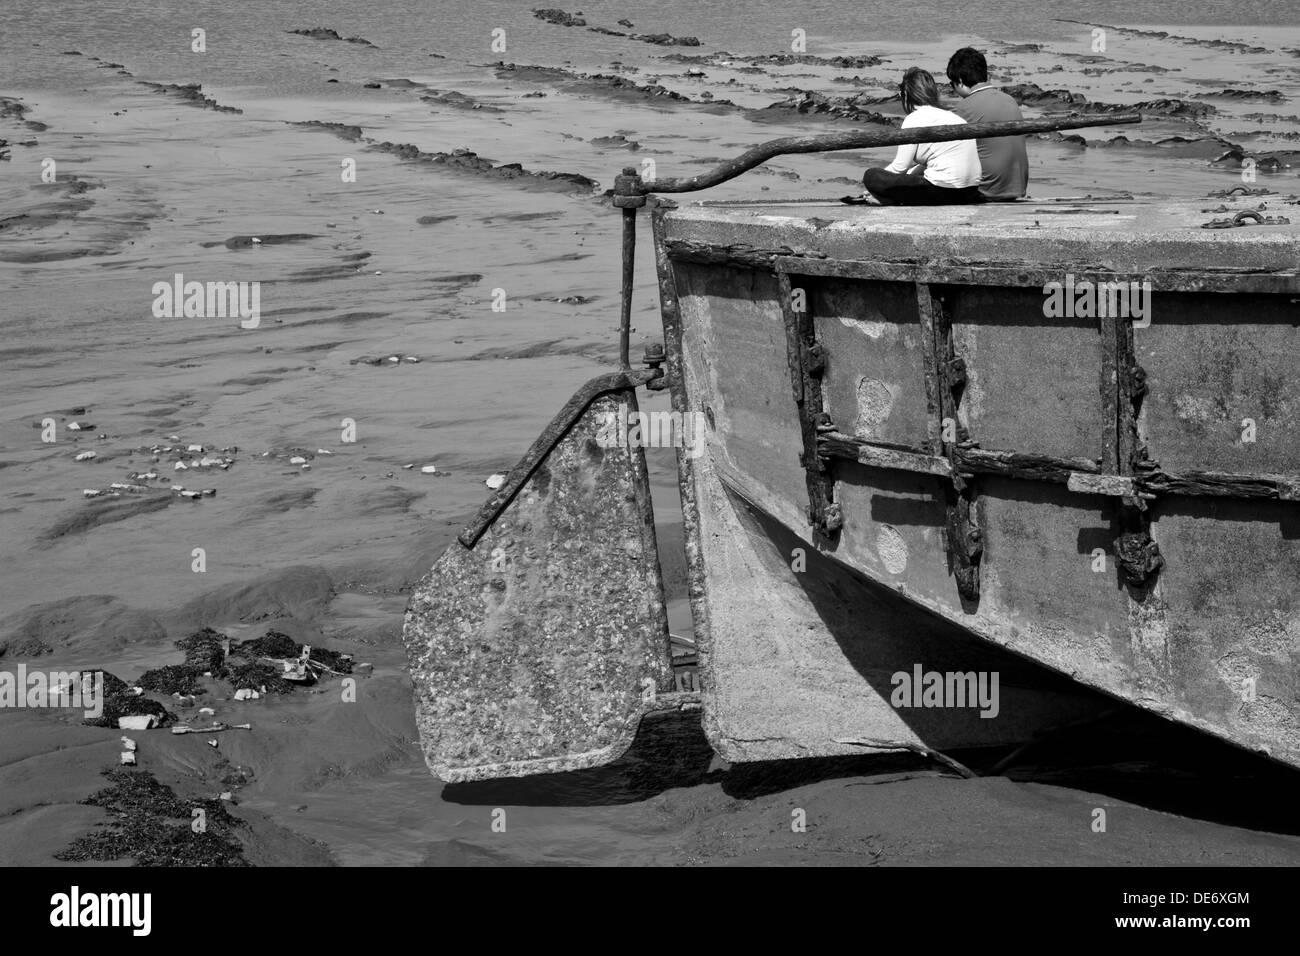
(456, 100)
(495, 481)
(665, 39)
(559, 17)
(325, 33)
(466, 160)
(618, 141)
(844, 107)
(191, 93)
(1246, 96)
(1034, 94)
(342, 130)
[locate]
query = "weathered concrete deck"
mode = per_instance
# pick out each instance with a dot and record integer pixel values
(1124, 234)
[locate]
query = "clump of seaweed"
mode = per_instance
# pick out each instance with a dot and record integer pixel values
(339, 663)
(204, 650)
(257, 674)
(152, 825)
(120, 700)
(280, 646)
(172, 679)
(272, 644)
(251, 663)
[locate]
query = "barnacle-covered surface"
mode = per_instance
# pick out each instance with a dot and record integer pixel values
(538, 649)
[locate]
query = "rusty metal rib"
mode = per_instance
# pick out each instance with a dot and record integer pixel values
(548, 439)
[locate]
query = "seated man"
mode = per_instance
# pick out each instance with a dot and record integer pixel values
(1003, 160)
(927, 174)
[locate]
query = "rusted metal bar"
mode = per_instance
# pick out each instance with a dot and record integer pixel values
(550, 436)
(1010, 464)
(805, 357)
(838, 445)
(1136, 552)
(945, 378)
(733, 256)
(871, 139)
(948, 272)
(628, 197)
(1082, 475)
(625, 315)
(966, 458)
(1108, 384)
(1115, 486)
(930, 370)
(1219, 485)
(679, 392)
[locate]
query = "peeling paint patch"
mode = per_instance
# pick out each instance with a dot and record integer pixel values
(1268, 714)
(875, 402)
(1193, 408)
(1275, 636)
(1148, 630)
(1235, 668)
(892, 549)
(872, 328)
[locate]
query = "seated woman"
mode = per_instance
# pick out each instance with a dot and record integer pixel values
(927, 174)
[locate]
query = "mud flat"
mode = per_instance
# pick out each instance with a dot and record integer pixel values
(183, 173)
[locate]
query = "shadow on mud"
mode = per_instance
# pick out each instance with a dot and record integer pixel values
(670, 750)
(1130, 755)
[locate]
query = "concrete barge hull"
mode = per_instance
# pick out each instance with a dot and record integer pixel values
(1056, 442)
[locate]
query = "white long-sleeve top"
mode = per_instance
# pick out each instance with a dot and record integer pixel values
(955, 163)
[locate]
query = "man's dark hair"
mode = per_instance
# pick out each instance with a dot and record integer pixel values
(968, 66)
(918, 89)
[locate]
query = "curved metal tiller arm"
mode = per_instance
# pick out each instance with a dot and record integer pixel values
(867, 139)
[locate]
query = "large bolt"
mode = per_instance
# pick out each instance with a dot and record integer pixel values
(627, 189)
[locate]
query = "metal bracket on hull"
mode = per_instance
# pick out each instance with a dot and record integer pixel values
(1136, 553)
(945, 383)
(807, 361)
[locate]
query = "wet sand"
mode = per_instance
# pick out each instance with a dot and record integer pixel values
(156, 177)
